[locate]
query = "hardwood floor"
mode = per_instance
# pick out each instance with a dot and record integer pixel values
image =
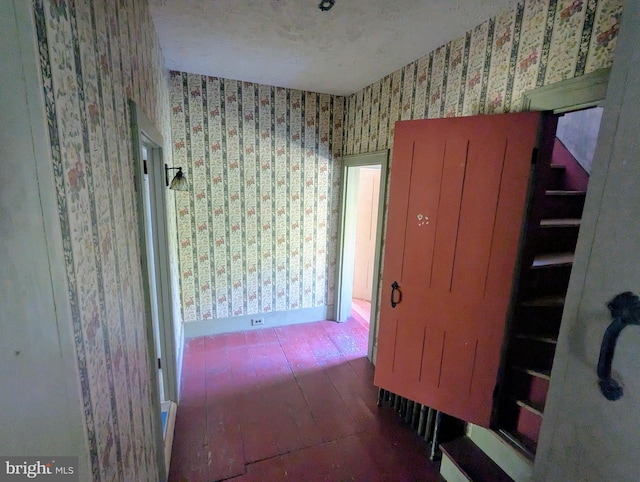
(295, 403)
(361, 308)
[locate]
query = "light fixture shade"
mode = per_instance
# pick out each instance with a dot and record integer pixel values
(179, 182)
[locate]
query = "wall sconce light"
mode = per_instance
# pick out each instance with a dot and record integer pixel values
(179, 182)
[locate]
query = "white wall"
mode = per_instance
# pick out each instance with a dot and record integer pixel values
(578, 131)
(584, 437)
(40, 413)
(366, 224)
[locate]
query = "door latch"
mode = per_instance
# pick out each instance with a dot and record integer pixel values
(395, 287)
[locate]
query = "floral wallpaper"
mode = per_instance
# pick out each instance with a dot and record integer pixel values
(257, 233)
(257, 230)
(94, 55)
(488, 69)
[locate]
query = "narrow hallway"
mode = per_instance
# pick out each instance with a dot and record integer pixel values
(292, 403)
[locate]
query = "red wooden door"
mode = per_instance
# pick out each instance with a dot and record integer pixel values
(458, 195)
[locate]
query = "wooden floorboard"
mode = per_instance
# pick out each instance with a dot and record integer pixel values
(289, 403)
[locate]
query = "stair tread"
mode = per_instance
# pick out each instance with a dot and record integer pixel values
(534, 407)
(542, 338)
(561, 192)
(559, 167)
(544, 301)
(561, 223)
(473, 462)
(544, 374)
(552, 259)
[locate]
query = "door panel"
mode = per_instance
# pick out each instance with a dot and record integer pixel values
(408, 347)
(423, 202)
(448, 212)
(457, 363)
(477, 216)
(457, 199)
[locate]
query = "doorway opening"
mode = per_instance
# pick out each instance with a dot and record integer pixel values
(362, 207)
(151, 255)
(161, 336)
(367, 198)
(547, 261)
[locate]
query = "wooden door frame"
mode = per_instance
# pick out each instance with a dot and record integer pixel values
(561, 97)
(144, 132)
(582, 92)
(346, 240)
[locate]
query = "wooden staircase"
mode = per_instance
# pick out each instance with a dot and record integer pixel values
(547, 258)
(507, 452)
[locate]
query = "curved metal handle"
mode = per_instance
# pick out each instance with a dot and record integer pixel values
(395, 287)
(625, 310)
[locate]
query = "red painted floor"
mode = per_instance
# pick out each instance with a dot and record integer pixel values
(295, 403)
(361, 308)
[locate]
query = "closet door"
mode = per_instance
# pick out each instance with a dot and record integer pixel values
(458, 195)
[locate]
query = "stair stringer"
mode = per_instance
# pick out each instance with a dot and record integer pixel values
(450, 472)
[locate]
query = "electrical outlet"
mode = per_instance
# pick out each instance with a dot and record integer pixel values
(257, 322)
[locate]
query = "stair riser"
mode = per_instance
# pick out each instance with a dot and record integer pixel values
(563, 206)
(574, 176)
(533, 354)
(556, 179)
(529, 424)
(556, 240)
(537, 321)
(548, 281)
(526, 387)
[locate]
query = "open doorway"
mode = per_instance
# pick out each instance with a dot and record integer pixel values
(549, 246)
(362, 205)
(152, 229)
(367, 198)
(151, 255)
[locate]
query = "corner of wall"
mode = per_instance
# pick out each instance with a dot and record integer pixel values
(43, 411)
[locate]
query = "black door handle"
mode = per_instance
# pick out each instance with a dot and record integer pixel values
(625, 311)
(395, 287)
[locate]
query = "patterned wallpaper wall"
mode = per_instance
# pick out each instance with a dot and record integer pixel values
(94, 55)
(488, 69)
(257, 230)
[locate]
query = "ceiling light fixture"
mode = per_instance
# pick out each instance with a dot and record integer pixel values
(179, 182)
(326, 5)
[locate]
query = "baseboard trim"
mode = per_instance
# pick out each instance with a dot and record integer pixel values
(193, 329)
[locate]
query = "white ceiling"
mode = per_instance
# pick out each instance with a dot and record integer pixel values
(291, 43)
